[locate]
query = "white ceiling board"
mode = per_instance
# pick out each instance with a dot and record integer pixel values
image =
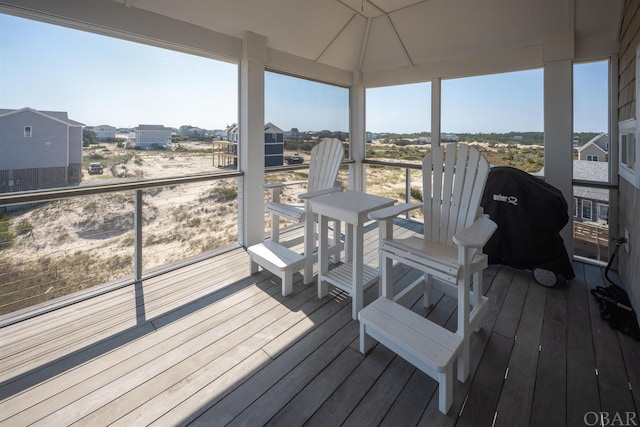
(362, 7)
(344, 51)
(474, 28)
(598, 18)
(300, 27)
(401, 33)
(383, 47)
(393, 5)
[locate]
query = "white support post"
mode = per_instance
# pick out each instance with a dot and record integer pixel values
(558, 131)
(385, 285)
(251, 139)
(464, 255)
(357, 133)
(435, 111)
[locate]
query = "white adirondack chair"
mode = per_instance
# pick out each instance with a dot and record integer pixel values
(450, 255)
(324, 163)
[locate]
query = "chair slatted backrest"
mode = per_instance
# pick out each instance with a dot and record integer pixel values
(453, 180)
(324, 164)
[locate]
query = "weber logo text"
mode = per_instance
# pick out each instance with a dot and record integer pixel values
(507, 199)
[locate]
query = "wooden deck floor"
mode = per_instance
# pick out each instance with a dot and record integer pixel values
(210, 345)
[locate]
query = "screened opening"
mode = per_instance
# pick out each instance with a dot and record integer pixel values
(591, 160)
(501, 114)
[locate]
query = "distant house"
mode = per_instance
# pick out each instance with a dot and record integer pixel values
(591, 204)
(219, 133)
(576, 141)
(596, 150)
(273, 143)
(192, 131)
(152, 137)
(370, 136)
(448, 137)
(40, 149)
(105, 132)
(233, 133)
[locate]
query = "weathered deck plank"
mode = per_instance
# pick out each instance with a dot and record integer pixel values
(516, 398)
(613, 383)
(582, 382)
(550, 399)
(209, 345)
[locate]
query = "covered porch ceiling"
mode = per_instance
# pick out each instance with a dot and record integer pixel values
(369, 42)
(381, 35)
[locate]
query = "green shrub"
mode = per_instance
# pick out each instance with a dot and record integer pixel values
(193, 222)
(91, 206)
(416, 193)
(227, 194)
(24, 227)
(6, 236)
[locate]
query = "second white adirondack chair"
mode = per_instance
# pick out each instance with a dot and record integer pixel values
(324, 163)
(449, 253)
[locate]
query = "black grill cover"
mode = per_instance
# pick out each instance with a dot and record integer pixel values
(530, 214)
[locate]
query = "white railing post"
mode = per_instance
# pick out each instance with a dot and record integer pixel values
(137, 258)
(137, 236)
(407, 177)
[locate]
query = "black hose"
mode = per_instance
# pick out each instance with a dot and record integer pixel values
(619, 242)
(615, 306)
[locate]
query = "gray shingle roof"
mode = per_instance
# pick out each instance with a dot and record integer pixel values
(586, 170)
(601, 141)
(58, 115)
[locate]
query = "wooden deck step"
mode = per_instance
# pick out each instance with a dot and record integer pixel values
(428, 346)
(279, 260)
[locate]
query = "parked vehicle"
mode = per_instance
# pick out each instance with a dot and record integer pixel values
(95, 168)
(294, 160)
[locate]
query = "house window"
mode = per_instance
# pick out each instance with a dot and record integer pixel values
(627, 155)
(592, 158)
(586, 210)
(603, 212)
(575, 207)
(628, 141)
(27, 131)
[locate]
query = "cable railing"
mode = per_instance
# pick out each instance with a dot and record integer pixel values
(398, 180)
(59, 246)
(406, 186)
(63, 244)
(289, 194)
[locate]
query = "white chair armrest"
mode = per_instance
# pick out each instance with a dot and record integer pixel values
(477, 234)
(283, 184)
(392, 211)
(312, 194)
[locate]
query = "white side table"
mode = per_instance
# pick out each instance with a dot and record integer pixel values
(353, 276)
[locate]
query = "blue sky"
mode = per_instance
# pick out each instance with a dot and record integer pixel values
(100, 80)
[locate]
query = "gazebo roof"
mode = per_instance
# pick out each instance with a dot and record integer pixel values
(376, 35)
